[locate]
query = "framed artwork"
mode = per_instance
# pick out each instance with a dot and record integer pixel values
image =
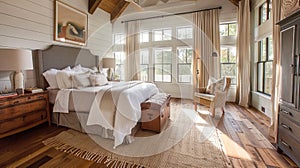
(70, 24)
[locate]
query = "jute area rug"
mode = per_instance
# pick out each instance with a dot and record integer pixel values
(200, 146)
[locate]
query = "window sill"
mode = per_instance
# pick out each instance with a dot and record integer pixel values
(262, 95)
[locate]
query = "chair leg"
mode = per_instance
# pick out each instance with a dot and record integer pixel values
(213, 112)
(223, 110)
(195, 106)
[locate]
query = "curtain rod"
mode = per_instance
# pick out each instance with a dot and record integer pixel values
(173, 14)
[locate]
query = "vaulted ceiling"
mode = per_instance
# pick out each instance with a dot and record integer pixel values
(116, 7)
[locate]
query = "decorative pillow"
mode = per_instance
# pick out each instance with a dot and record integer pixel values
(215, 85)
(82, 80)
(98, 79)
(50, 76)
(79, 68)
(64, 79)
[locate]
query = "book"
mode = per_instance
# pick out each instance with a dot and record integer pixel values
(33, 90)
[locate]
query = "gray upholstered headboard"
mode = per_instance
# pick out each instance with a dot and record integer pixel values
(59, 57)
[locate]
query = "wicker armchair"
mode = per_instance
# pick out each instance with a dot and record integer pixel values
(217, 100)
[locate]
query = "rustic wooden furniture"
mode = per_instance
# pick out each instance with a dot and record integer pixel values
(289, 113)
(155, 112)
(21, 112)
(212, 101)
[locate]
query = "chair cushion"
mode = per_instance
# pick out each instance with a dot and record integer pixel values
(205, 96)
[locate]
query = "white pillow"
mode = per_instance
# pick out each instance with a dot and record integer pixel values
(98, 79)
(79, 68)
(215, 85)
(82, 80)
(50, 76)
(64, 79)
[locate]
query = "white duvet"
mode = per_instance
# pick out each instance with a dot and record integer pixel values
(127, 102)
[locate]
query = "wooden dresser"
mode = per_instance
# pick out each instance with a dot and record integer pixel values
(289, 113)
(18, 113)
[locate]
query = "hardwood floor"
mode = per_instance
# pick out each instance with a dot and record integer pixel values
(242, 133)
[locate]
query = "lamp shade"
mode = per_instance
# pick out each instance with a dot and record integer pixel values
(15, 59)
(108, 63)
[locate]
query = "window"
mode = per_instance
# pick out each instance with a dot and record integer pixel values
(265, 12)
(228, 29)
(228, 63)
(162, 34)
(144, 37)
(119, 69)
(119, 39)
(163, 64)
(184, 33)
(144, 64)
(184, 66)
(264, 66)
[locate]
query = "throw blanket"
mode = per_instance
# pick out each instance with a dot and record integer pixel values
(127, 100)
(115, 107)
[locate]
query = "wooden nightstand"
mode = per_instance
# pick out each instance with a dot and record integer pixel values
(21, 112)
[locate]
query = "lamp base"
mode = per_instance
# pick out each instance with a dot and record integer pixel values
(19, 80)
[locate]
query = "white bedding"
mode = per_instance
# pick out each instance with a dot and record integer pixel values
(127, 101)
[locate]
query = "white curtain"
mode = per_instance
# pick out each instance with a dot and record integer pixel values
(206, 41)
(243, 53)
(276, 12)
(132, 50)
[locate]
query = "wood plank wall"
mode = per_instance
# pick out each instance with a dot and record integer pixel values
(28, 24)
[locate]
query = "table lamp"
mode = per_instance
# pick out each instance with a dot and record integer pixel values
(16, 60)
(109, 63)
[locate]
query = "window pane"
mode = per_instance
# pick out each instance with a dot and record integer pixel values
(181, 33)
(232, 29)
(158, 56)
(167, 73)
(181, 53)
(144, 59)
(232, 55)
(224, 30)
(157, 35)
(167, 35)
(224, 55)
(263, 50)
(264, 12)
(229, 70)
(167, 56)
(158, 73)
(184, 73)
(270, 49)
(268, 77)
(189, 33)
(144, 72)
(260, 79)
(189, 55)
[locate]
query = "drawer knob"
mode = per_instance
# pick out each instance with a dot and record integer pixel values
(286, 144)
(286, 127)
(16, 102)
(40, 97)
(286, 112)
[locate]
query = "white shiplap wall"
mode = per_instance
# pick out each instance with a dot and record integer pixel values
(28, 24)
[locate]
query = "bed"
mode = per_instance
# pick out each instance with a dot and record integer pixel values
(111, 111)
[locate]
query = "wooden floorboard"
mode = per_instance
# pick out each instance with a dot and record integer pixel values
(243, 134)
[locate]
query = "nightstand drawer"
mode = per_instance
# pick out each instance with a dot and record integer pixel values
(12, 102)
(36, 97)
(289, 126)
(15, 111)
(22, 121)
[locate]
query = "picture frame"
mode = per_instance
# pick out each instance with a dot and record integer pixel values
(70, 25)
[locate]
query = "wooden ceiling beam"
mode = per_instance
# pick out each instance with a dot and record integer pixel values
(120, 7)
(235, 2)
(93, 5)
